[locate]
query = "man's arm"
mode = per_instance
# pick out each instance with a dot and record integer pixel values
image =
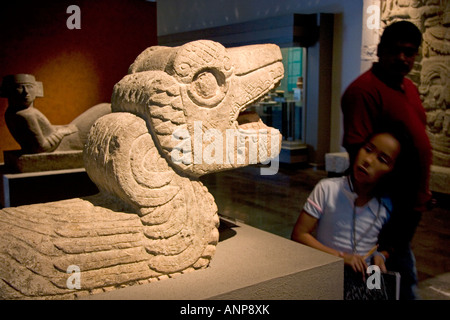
(360, 113)
(35, 133)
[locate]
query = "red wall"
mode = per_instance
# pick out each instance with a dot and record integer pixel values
(78, 67)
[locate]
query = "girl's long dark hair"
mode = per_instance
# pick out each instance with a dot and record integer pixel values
(401, 187)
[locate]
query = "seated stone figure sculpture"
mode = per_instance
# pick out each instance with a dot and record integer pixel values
(31, 128)
(180, 113)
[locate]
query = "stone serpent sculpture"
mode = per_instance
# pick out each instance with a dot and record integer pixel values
(152, 218)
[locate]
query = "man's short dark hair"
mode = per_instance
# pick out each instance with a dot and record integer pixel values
(403, 31)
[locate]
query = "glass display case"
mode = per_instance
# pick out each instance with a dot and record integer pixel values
(283, 108)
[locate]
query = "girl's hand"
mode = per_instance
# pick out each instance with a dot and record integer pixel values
(355, 261)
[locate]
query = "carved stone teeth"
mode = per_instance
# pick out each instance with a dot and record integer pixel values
(234, 113)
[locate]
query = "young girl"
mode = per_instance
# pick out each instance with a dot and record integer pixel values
(348, 213)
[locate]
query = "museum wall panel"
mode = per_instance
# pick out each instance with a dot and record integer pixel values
(78, 67)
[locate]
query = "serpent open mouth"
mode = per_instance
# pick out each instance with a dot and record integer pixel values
(249, 120)
(246, 119)
(255, 85)
(258, 71)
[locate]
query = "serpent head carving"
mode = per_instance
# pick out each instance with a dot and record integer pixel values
(202, 85)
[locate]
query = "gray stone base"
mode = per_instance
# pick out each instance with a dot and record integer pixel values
(18, 189)
(249, 264)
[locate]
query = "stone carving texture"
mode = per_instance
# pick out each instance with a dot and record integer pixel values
(153, 218)
(432, 71)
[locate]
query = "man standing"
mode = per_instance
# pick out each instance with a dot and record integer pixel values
(380, 95)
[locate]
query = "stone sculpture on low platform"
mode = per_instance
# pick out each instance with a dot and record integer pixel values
(180, 113)
(31, 128)
(36, 134)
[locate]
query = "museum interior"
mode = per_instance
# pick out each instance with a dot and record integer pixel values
(82, 53)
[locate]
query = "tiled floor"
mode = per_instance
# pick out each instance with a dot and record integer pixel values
(272, 203)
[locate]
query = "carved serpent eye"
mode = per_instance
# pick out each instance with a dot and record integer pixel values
(208, 88)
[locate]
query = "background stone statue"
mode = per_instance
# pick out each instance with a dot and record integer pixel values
(180, 113)
(31, 128)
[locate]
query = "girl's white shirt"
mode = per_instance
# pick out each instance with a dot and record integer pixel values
(332, 202)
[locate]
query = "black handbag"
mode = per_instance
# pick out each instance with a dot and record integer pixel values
(356, 288)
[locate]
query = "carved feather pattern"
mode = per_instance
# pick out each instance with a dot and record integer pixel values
(104, 240)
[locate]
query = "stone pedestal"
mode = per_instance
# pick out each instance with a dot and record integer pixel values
(36, 187)
(336, 162)
(440, 179)
(293, 152)
(45, 161)
(250, 264)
